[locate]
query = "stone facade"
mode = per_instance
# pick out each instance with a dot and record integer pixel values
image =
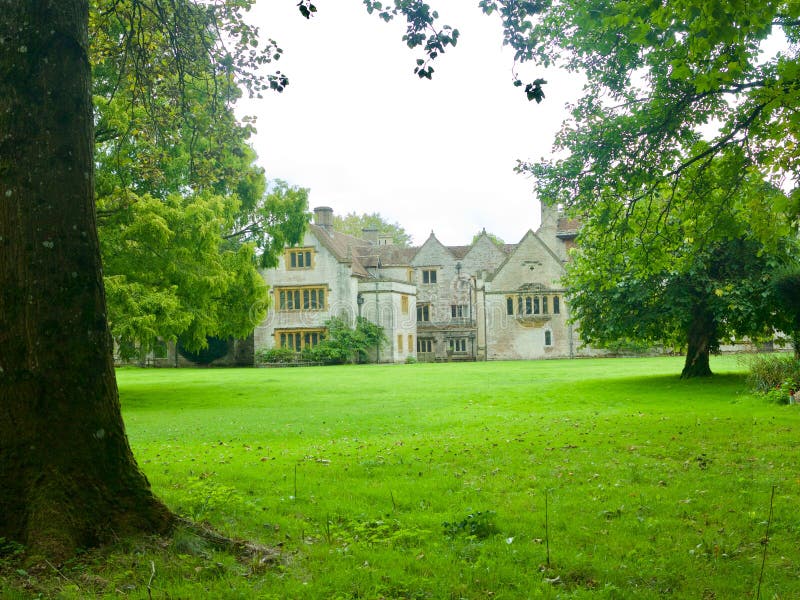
(435, 302)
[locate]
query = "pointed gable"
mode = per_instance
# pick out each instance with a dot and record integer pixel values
(483, 255)
(532, 262)
(432, 253)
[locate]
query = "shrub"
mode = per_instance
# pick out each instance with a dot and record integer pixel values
(327, 352)
(771, 371)
(629, 347)
(781, 393)
(344, 344)
(276, 355)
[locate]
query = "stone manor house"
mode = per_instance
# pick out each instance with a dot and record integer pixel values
(434, 302)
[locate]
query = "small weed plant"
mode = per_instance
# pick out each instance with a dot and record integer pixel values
(476, 526)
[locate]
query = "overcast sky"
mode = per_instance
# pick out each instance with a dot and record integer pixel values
(364, 134)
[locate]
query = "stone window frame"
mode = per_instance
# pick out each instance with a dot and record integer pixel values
(301, 298)
(531, 305)
(457, 345)
(429, 276)
(459, 311)
(424, 312)
(425, 346)
(299, 339)
(296, 256)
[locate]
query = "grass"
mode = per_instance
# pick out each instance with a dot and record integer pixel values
(551, 479)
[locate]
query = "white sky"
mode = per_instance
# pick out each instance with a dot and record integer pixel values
(365, 134)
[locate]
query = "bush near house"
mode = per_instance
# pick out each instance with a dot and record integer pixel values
(275, 355)
(344, 344)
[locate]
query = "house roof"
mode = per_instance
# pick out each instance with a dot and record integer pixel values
(389, 256)
(362, 255)
(346, 248)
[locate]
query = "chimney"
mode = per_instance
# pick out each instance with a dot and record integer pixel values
(385, 239)
(323, 216)
(370, 234)
(549, 218)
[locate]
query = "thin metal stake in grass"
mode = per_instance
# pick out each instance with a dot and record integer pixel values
(765, 542)
(546, 527)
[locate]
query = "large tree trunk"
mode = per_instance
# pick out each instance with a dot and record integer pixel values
(67, 475)
(701, 335)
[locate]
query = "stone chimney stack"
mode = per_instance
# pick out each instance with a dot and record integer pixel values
(370, 234)
(549, 218)
(323, 216)
(385, 239)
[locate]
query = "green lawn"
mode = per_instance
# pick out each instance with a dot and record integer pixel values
(641, 485)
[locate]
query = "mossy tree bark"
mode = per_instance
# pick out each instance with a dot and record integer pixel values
(67, 475)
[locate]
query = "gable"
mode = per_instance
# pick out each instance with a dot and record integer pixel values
(484, 255)
(432, 252)
(531, 263)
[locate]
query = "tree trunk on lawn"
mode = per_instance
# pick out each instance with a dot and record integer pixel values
(700, 337)
(67, 475)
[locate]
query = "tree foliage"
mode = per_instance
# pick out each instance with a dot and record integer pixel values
(670, 86)
(422, 30)
(354, 224)
(496, 240)
(692, 269)
(183, 210)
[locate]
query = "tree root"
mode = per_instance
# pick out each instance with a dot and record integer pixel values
(239, 548)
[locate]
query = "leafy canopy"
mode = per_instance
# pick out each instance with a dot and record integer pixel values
(690, 269)
(185, 216)
(670, 86)
(496, 240)
(354, 224)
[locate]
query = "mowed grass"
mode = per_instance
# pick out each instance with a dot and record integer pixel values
(605, 478)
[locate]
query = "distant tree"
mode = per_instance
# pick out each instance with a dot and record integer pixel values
(354, 224)
(495, 239)
(697, 277)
